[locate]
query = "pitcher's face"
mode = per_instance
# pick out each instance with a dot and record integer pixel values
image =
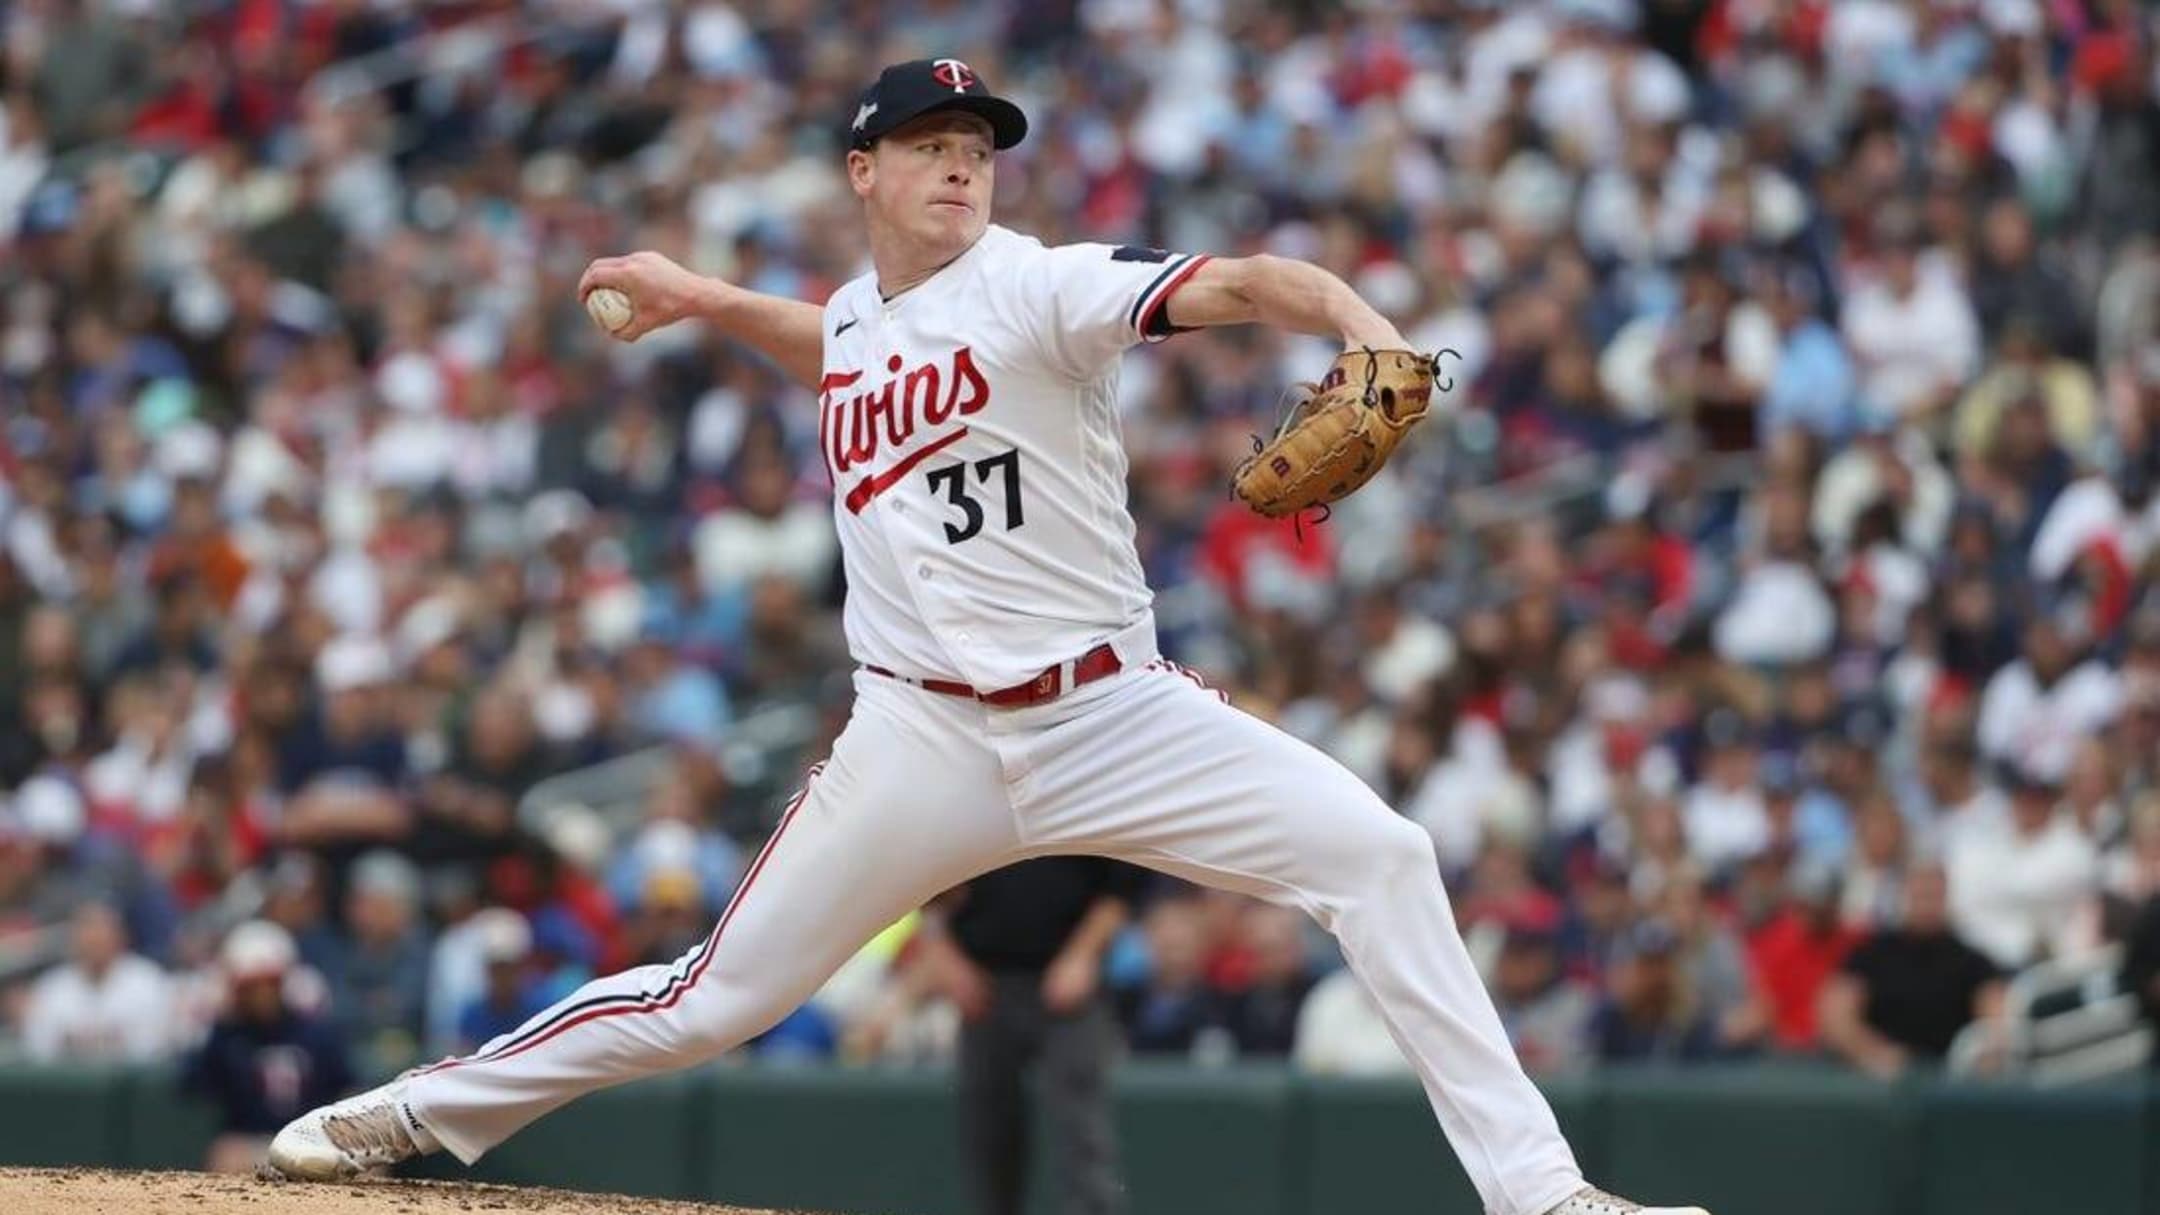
(930, 180)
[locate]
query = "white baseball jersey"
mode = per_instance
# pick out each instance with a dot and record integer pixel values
(970, 426)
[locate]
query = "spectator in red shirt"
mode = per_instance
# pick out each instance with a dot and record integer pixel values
(1797, 951)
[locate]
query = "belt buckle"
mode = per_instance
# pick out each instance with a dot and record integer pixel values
(1042, 688)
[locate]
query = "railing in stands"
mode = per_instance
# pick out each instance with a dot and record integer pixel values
(2065, 1021)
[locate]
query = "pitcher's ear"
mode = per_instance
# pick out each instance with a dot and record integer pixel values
(861, 168)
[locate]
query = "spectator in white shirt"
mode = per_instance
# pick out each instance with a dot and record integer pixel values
(1340, 1032)
(1403, 649)
(1953, 796)
(1912, 331)
(2037, 710)
(1884, 464)
(769, 531)
(1725, 817)
(1779, 613)
(2020, 888)
(104, 1005)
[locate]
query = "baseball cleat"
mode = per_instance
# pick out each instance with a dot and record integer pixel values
(1593, 1201)
(350, 1137)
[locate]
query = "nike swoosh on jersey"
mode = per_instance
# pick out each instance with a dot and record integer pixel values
(844, 326)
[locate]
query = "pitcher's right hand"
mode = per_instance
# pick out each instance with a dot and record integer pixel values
(661, 292)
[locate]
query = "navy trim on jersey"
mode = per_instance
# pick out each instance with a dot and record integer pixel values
(1154, 323)
(1170, 271)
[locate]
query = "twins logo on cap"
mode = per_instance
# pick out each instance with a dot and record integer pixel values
(906, 91)
(953, 74)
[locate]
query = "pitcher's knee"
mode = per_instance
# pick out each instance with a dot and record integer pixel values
(1390, 869)
(1409, 849)
(1396, 851)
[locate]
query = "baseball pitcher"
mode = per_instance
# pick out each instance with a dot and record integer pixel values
(1010, 700)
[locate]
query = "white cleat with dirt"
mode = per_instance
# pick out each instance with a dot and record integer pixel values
(348, 1138)
(1593, 1201)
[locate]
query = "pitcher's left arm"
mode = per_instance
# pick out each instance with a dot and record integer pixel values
(1283, 293)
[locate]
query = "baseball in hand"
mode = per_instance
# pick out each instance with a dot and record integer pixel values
(609, 307)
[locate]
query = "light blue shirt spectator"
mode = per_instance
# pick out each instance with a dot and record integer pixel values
(671, 845)
(1813, 385)
(1822, 828)
(688, 704)
(1926, 75)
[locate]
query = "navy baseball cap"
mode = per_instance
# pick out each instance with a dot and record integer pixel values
(907, 91)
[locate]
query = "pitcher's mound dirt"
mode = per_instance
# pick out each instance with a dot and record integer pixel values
(101, 1192)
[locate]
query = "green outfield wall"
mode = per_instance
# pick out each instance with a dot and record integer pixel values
(1250, 1141)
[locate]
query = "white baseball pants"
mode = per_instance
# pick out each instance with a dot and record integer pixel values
(924, 791)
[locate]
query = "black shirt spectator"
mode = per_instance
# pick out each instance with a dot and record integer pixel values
(2016, 281)
(1910, 991)
(1920, 987)
(1019, 917)
(466, 813)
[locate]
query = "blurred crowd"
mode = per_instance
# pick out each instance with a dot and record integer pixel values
(1767, 635)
